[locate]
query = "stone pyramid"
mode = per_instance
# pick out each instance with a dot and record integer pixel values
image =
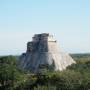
(43, 51)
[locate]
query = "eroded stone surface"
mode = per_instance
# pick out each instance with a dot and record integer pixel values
(43, 50)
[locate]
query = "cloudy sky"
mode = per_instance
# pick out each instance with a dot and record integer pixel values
(67, 20)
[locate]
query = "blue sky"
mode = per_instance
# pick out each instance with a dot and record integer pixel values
(68, 20)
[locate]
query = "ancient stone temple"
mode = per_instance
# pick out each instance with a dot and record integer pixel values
(43, 51)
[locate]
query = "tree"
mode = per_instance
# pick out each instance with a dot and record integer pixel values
(8, 72)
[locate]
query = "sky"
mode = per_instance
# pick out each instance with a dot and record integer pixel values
(67, 20)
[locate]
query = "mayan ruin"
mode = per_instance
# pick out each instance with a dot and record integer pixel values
(43, 51)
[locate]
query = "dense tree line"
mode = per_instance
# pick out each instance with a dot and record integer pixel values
(75, 77)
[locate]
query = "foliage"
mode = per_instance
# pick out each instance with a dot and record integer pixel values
(9, 75)
(49, 87)
(75, 77)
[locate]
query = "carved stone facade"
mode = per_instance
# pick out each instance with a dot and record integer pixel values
(43, 51)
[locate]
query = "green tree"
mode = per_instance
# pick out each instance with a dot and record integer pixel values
(8, 72)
